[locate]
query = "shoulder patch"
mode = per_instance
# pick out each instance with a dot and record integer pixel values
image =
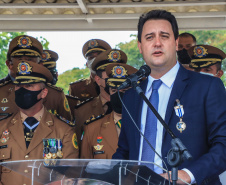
(83, 103)
(75, 141)
(65, 120)
(92, 119)
(5, 83)
(6, 115)
(80, 80)
(54, 87)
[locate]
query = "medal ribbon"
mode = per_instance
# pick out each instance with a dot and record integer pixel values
(119, 123)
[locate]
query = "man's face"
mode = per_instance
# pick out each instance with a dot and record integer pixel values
(185, 43)
(211, 70)
(33, 87)
(158, 45)
(21, 58)
(92, 55)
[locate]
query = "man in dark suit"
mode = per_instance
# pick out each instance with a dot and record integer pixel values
(203, 97)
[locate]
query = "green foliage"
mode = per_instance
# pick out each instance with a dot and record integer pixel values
(5, 38)
(134, 59)
(71, 76)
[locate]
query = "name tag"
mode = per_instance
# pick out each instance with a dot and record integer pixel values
(98, 152)
(3, 146)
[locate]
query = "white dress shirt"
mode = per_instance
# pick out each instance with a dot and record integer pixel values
(164, 94)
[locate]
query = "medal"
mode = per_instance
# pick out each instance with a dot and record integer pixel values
(53, 149)
(179, 110)
(59, 147)
(49, 156)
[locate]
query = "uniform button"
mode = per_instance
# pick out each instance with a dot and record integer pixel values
(25, 171)
(26, 156)
(24, 184)
(3, 155)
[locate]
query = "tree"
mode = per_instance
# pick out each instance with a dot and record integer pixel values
(71, 76)
(134, 59)
(6, 37)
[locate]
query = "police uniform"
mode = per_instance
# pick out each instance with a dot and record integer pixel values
(204, 56)
(55, 101)
(87, 88)
(17, 144)
(73, 102)
(95, 106)
(101, 134)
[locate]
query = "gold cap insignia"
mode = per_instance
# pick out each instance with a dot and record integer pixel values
(24, 42)
(24, 68)
(92, 43)
(119, 72)
(114, 56)
(45, 56)
(200, 51)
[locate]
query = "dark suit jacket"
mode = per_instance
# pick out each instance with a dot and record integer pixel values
(204, 101)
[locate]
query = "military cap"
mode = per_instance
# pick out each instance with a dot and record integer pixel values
(25, 45)
(28, 72)
(117, 74)
(108, 57)
(49, 59)
(94, 45)
(205, 56)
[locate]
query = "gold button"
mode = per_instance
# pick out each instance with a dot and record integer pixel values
(25, 171)
(3, 155)
(26, 156)
(24, 184)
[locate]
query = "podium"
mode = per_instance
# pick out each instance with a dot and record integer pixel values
(86, 172)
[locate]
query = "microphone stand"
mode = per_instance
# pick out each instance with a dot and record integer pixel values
(178, 153)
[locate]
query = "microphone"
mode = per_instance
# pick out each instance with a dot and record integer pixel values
(144, 71)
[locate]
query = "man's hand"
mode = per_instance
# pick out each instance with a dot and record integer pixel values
(182, 175)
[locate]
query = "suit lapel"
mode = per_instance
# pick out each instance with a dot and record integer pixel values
(109, 132)
(42, 131)
(178, 88)
(17, 131)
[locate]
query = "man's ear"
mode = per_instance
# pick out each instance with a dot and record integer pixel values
(177, 41)
(220, 73)
(44, 93)
(139, 47)
(9, 64)
(97, 79)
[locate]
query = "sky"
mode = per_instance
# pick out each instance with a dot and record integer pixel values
(69, 45)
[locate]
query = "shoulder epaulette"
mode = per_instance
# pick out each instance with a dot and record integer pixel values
(7, 115)
(80, 80)
(72, 97)
(65, 120)
(5, 83)
(54, 87)
(92, 119)
(83, 102)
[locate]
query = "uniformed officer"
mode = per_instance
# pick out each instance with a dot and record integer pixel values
(25, 47)
(33, 132)
(87, 88)
(49, 60)
(101, 133)
(101, 104)
(207, 59)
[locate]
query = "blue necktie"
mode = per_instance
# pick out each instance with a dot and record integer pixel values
(151, 126)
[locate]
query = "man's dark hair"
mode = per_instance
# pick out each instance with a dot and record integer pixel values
(186, 34)
(158, 15)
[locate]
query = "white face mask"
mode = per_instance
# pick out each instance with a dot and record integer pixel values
(89, 65)
(210, 74)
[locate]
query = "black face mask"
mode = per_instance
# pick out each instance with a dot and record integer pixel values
(25, 99)
(116, 104)
(183, 57)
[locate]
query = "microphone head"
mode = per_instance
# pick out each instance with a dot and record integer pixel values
(146, 70)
